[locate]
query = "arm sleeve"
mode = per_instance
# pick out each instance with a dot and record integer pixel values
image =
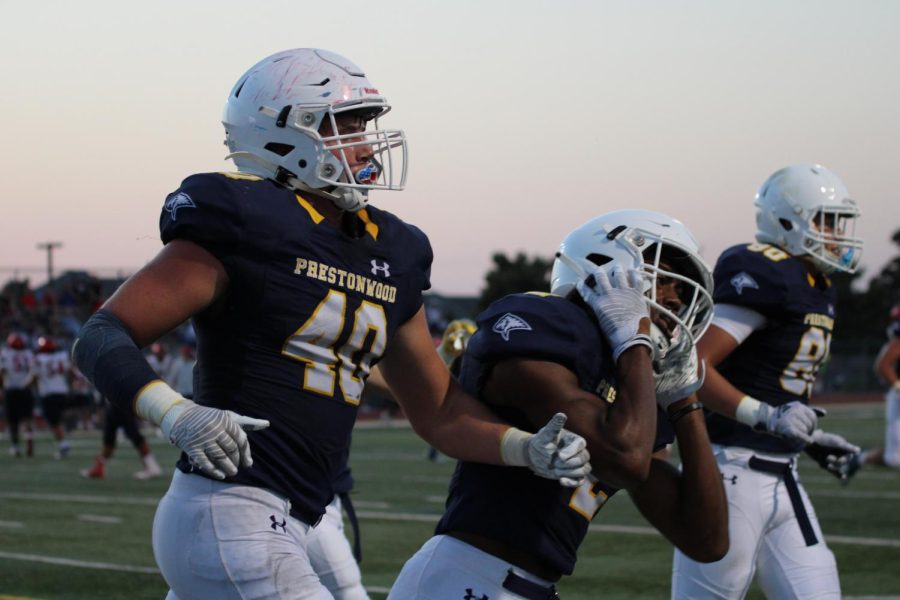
(738, 321)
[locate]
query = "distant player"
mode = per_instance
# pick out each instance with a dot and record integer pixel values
(887, 366)
(296, 286)
(17, 373)
(507, 535)
(53, 370)
(774, 316)
(114, 419)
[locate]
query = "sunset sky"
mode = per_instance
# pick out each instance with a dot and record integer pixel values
(525, 118)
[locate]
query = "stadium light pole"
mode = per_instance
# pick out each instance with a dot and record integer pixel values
(49, 247)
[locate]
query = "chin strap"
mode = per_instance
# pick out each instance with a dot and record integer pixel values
(349, 199)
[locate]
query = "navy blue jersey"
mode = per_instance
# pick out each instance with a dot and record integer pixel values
(778, 363)
(309, 307)
(513, 505)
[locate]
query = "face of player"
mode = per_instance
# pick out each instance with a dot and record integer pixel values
(358, 157)
(668, 293)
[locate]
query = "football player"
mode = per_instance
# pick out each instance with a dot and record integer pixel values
(587, 349)
(17, 373)
(887, 367)
(115, 418)
(53, 370)
(296, 287)
(774, 315)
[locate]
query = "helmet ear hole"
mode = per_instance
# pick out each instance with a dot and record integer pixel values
(788, 226)
(279, 149)
(598, 259)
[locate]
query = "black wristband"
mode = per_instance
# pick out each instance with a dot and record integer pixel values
(683, 411)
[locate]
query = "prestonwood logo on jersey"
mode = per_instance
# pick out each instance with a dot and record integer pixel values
(344, 279)
(819, 320)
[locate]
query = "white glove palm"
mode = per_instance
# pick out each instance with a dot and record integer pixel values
(793, 420)
(677, 377)
(619, 303)
(213, 439)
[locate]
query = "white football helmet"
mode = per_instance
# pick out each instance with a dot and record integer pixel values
(274, 113)
(642, 240)
(806, 209)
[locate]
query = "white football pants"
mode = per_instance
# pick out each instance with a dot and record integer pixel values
(447, 568)
(332, 557)
(220, 540)
(766, 540)
(892, 424)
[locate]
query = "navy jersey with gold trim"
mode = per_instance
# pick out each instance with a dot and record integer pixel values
(778, 363)
(513, 505)
(309, 307)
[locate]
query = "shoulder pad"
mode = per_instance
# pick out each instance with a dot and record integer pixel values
(205, 210)
(544, 328)
(753, 275)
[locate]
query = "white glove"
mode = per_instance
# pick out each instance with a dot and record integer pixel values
(834, 454)
(794, 420)
(677, 377)
(213, 439)
(552, 452)
(618, 301)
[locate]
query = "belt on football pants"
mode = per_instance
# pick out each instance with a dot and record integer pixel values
(354, 524)
(790, 483)
(529, 589)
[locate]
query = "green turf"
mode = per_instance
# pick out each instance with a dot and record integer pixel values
(47, 510)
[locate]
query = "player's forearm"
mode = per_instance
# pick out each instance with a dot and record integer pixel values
(702, 504)
(718, 395)
(462, 427)
(623, 438)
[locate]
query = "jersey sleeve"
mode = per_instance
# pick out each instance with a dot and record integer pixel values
(750, 279)
(205, 210)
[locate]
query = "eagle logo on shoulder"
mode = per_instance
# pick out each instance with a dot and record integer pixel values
(743, 280)
(509, 323)
(176, 201)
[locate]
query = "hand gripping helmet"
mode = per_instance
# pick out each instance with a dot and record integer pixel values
(806, 209)
(456, 338)
(273, 117)
(659, 246)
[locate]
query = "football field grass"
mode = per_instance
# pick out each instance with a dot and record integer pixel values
(62, 536)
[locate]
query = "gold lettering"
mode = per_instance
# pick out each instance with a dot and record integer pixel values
(313, 270)
(300, 266)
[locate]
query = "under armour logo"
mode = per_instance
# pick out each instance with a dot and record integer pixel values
(471, 596)
(732, 479)
(276, 524)
(743, 280)
(383, 268)
(509, 323)
(176, 201)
